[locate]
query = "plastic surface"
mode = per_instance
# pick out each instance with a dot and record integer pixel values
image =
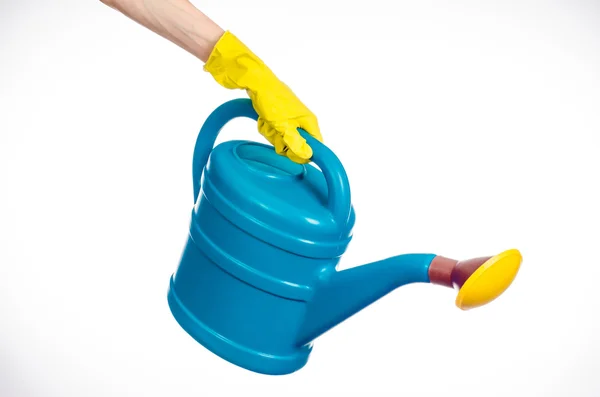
(261, 230)
(293, 206)
(257, 281)
(490, 280)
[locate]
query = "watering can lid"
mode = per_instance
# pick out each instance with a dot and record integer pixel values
(275, 199)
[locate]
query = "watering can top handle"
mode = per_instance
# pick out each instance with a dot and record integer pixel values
(338, 202)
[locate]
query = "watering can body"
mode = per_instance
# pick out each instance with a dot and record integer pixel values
(262, 229)
(257, 281)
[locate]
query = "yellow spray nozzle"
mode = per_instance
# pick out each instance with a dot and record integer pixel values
(480, 280)
(489, 280)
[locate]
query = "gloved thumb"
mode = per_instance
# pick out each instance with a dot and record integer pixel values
(311, 125)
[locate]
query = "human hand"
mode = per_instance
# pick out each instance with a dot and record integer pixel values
(280, 111)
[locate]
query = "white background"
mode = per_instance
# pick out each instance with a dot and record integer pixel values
(466, 128)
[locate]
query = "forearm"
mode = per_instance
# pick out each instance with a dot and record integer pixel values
(176, 20)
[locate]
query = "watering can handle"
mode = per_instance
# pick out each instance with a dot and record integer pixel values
(339, 202)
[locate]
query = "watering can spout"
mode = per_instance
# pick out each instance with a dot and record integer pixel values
(341, 294)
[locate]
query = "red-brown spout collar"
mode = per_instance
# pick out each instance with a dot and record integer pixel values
(452, 273)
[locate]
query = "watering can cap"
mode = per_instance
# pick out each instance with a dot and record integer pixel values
(297, 207)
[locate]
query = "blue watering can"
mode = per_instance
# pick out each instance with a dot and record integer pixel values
(257, 280)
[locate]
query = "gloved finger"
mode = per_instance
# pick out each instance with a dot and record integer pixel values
(272, 135)
(265, 129)
(292, 156)
(311, 125)
(296, 144)
(279, 144)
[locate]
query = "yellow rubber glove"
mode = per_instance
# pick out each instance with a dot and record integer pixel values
(280, 112)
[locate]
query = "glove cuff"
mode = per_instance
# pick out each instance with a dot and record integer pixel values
(234, 66)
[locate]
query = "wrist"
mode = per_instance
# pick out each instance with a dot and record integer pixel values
(233, 65)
